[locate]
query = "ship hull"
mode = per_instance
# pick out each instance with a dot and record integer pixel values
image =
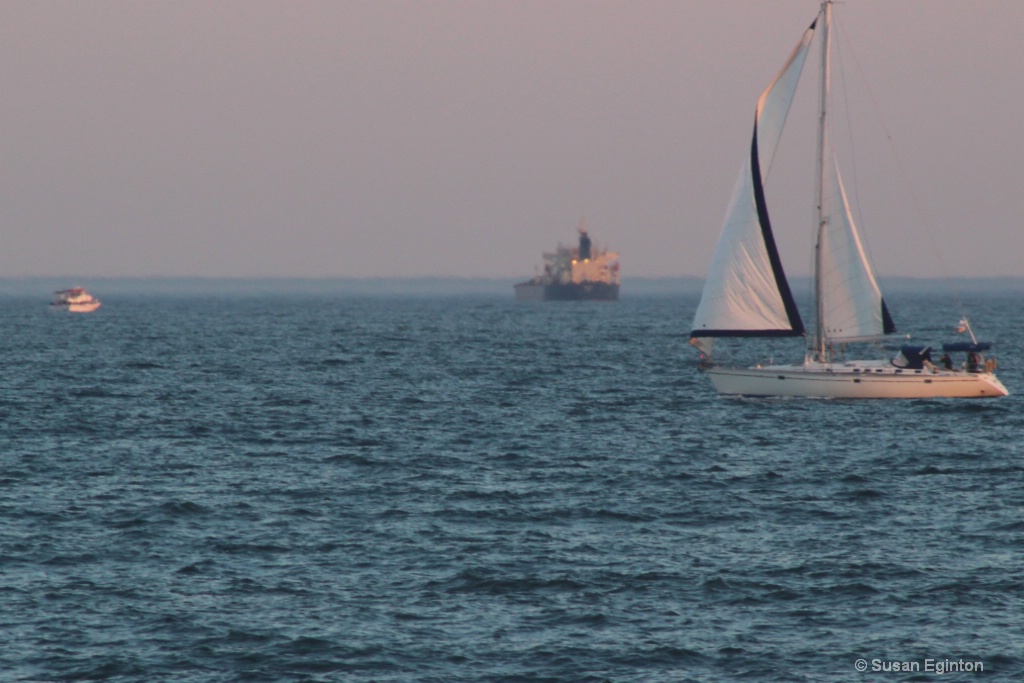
(529, 291)
(84, 308)
(584, 291)
(853, 381)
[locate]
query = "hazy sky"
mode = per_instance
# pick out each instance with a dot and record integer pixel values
(465, 137)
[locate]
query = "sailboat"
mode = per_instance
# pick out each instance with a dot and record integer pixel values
(746, 293)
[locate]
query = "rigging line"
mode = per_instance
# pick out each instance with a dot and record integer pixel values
(844, 89)
(905, 177)
(855, 179)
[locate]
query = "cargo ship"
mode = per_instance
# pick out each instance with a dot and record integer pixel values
(580, 273)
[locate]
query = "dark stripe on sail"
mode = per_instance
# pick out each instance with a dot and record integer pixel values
(888, 326)
(769, 242)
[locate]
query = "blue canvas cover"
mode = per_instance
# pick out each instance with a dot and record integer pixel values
(967, 347)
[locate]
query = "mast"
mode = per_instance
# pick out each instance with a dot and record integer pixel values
(819, 312)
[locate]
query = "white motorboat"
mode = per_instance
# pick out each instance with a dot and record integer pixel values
(75, 300)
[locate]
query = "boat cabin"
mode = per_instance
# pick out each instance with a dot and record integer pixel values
(913, 357)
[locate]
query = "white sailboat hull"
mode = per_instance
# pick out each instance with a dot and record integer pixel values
(853, 380)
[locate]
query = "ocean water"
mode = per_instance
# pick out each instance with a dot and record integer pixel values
(321, 487)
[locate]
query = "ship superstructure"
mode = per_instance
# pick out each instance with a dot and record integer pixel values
(580, 273)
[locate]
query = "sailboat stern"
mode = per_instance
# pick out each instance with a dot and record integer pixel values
(993, 385)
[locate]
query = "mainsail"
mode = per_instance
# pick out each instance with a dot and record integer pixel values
(852, 306)
(746, 292)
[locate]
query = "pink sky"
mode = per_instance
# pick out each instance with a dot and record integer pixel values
(458, 137)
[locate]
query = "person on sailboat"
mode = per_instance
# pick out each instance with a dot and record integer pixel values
(972, 361)
(946, 362)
